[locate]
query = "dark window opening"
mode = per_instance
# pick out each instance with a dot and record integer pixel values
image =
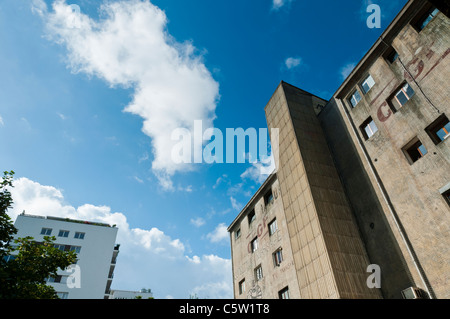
(284, 293)
(391, 55)
(414, 150)
(424, 17)
(268, 198)
(251, 216)
(447, 196)
(439, 130)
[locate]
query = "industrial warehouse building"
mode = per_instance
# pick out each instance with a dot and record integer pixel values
(362, 181)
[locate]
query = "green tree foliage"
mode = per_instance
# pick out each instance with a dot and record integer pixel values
(23, 276)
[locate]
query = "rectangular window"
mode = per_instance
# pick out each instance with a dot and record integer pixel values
(284, 293)
(79, 235)
(237, 233)
(251, 216)
(425, 19)
(60, 247)
(254, 244)
(76, 249)
(268, 198)
(242, 286)
(439, 130)
(447, 196)
(355, 98)
(367, 84)
(278, 257)
(62, 295)
(63, 233)
(368, 128)
(414, 150)
(56, 279)
(391, 55)
(273, 227)
(46, 231)
(258, 273)
(402, 95)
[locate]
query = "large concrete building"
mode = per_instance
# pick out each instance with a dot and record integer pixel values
(362, 179)
(94, 243)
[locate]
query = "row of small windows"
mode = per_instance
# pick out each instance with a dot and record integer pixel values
(76, 249)
(282, 294)
(405, 92)
(251, 217)
(62, 233)
(438, 131)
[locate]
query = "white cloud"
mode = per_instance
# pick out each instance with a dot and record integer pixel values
(198, 222)
(259, 171)
(234, 203)
(219, 234)
(139, 180)
(292, 62)
(148, 257)
(1, 121)
(346, 70)
(278, 4)
(131, 47)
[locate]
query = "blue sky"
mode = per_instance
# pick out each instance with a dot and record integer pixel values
(90, 90)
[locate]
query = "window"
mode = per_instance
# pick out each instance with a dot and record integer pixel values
(368, 128)
(79, 235)
(237, 233)
(439, 130)
(268, 198)
(278, 257)
(354, 98)
(414, 150)
(284, 293)
(62, 295)
(402, 95)
(273, 227)
(46, 231)
(60, 247)
(425, 19)
(63, 233)
(254, 244)
(258, 273)
(251, 216)
(56, 279)
(447, 196)
(367, 84)
(76, 249)
(242, 286)
(391, 55)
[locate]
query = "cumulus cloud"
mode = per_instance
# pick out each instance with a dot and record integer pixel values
(234, 203)
(219, 234)
(147, 256)
(346, 70)
(198, 222)
(1, 121)
(292, 62)
(129, 46)
(278, 4)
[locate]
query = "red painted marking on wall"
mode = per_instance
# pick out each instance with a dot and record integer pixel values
(437, 63)
(384, 112)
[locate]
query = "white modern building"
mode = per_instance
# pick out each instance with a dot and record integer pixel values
(126, 294)
(92, 274)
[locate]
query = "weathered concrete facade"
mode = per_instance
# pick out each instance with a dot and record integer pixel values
(364, 178)
(410, 192)
(273, 278)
